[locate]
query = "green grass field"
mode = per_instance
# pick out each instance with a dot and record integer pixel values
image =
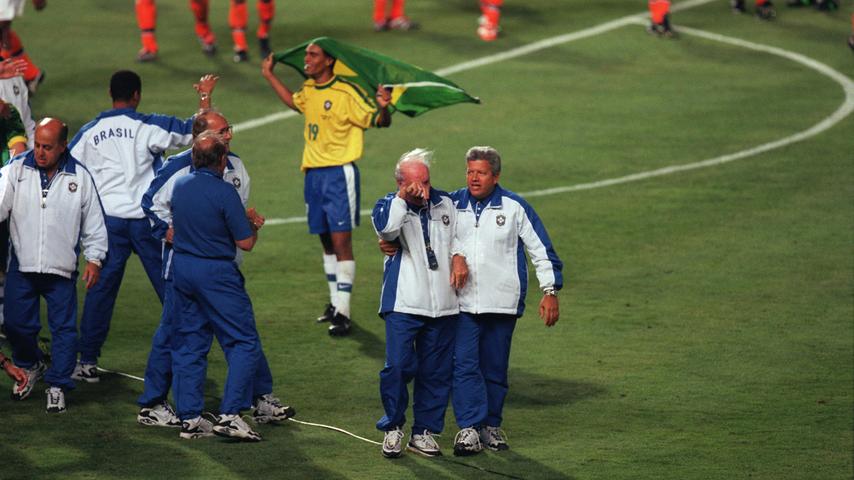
(706, 328)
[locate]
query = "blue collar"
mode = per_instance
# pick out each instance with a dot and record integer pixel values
(493, 200)
(67, 164)
(114, 112)
(208, 171)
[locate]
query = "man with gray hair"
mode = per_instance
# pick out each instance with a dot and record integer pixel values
(495, 227)
(418, 303)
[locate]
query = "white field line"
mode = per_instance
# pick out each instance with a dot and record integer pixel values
(843, 111)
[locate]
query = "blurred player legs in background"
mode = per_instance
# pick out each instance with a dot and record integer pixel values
(394, 20)
(490, 15)
(659, 15)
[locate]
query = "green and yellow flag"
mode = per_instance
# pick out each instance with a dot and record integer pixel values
(414, 90)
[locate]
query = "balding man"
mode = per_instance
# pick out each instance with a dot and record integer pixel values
(157, 204)
(210, 222)
(419, 305)
(53, 208)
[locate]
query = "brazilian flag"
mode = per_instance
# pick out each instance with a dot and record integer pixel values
(414, 90)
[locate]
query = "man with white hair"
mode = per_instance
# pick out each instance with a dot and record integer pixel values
(419, 304)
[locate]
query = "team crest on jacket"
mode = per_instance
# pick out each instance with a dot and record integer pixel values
(327, 105)
(72, 187)
(500, 219)
(446, 220)
(236, 182)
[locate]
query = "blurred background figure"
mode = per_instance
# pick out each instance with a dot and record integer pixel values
(659, 14)
(764, 8)
(394, 20)
(11, 45)
(490, 14)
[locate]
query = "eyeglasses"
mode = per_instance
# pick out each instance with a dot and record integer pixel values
(225, 130)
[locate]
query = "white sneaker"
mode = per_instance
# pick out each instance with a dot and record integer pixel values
(86, 372)
(467, 442)
(393, 443)
(196, 428)
(21, 391)
(233, 426)
(161, 415)
(55, 400)
(268, 408)
(424, 444)
(493, 438)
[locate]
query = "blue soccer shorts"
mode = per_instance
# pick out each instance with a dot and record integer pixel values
(332, 198)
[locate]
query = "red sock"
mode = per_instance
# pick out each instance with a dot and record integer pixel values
(200, 12)
(146, 19)
(396, 8)
(237, 19)
(379, 11)
(16, 50)
(658, 9)
(491, 10)
(266, 10)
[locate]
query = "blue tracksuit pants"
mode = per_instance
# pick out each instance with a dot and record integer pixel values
(123, 236)
(210, 299)
(419, 348)
(21, 310)
(481, 360)
(158, 370)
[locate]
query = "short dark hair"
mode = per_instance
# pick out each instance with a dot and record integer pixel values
(208, 150)
(123, 84)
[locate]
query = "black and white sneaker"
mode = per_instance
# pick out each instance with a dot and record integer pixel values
(766, 11)
(86, 372)
(21, 391)
(160, 415)
(233, 426)
(340, 326)
(467, 442)
(198, 427)
(393, 443)
(493, 438)
(425, 444)
(55, 400)
(268, 408)
(240, 56)
(328, 314)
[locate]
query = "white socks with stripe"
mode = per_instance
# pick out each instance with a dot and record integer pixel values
(330, 265)
(345, 274)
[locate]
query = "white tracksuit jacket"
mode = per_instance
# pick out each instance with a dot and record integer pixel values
(46, 228)
(494, 239)
(123, 149)
(157, 200)
(409, 286)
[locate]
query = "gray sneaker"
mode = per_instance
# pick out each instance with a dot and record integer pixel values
(196, 428)
(424, 443)
(55, 400)
(21, 391)
(161, 415)
(393, 443)
(493, 438)
(467, 442)
(268, 408)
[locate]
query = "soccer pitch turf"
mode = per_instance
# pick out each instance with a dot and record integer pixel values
(700, 191)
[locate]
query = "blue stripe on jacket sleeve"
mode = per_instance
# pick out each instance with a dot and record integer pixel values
(380, 215)
(169, 123)
(540, 230)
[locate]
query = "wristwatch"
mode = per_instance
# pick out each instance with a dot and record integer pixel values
(550, 291)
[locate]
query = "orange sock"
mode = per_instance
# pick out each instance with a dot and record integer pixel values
(146, 19)
(658, 9)
(16, 50)
(396, 8)
(266, 10)
(200, 12)
(759, 3)
(237, 19)
(379, 11)
(491, 10)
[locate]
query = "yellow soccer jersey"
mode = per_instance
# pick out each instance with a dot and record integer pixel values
(336, 116)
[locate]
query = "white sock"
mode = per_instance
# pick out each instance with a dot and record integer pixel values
(330, 263)
(345, 273)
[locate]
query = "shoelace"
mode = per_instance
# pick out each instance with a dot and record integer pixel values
(395, 437)
(428, 439)
(466, 434)
(497, 434)
(54, 396)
